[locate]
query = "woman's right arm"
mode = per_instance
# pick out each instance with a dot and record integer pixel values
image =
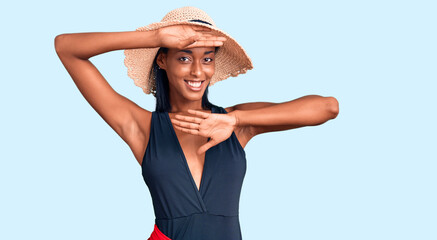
(75, 49)
(124, 116)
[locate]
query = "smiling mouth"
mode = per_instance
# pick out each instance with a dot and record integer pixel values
(194, 85)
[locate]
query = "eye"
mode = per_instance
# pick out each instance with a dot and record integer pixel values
(184, 59)
(209, 60)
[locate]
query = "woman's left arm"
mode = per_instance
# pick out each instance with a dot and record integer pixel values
(309, 110)
(258, 118)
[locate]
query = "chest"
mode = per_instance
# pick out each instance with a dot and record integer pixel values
(172, 164)
(190, 144)
(183, 182)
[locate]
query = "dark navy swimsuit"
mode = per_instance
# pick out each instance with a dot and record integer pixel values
(182, 212)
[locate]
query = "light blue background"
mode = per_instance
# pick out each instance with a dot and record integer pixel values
(368, 174)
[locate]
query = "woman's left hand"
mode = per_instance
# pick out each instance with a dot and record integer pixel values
(218, 127)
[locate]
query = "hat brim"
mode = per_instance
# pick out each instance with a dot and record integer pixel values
(231, 59)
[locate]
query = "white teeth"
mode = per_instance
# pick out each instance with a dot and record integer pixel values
(194, 84)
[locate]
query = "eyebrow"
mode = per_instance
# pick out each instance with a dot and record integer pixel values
(190, 52)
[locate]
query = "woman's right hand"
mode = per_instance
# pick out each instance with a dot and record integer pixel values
(187, 36)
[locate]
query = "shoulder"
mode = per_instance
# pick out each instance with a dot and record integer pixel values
(143, 119)
(137, 131)
(243, 134)
(137, 126)
(249, 106)
(140, 116)
(229, 109)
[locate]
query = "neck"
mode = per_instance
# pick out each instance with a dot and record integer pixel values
(181, 105)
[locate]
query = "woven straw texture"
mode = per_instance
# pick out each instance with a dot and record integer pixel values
(230, 60)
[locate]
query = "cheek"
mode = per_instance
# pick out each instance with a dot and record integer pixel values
(209, 70)
(177, 71)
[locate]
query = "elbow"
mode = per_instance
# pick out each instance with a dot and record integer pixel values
(332, 106)
(59, 43)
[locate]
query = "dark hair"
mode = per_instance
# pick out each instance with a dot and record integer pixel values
(162, 88)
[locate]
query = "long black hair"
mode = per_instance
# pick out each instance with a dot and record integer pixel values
(162, 94)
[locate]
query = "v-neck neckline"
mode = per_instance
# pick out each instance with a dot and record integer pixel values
(181, 151)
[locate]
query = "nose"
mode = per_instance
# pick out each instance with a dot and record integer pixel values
(196, 69)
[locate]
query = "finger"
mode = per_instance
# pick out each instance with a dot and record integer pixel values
(193, 39)
(189, 119)
(185, 124)
(190, 131)
(199, 28)
(199, 113)
(205, 44)
(199, 41)
(208, 36)
(210, 39)
(207, 146)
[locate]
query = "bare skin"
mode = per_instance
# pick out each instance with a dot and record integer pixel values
(190, 57)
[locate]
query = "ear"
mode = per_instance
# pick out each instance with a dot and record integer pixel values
(161, 60)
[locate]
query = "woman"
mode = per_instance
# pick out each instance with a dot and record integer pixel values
(191, 151)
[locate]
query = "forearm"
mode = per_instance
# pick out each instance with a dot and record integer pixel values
(305, 111)
(89, 44)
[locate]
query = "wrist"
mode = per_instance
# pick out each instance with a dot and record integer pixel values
(155, 38)
(236, 116)
(150, 39)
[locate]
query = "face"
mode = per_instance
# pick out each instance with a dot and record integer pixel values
(189, 71)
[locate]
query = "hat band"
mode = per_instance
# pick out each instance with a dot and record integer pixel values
(200, 21)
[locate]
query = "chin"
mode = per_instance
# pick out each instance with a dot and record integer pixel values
(195, 96)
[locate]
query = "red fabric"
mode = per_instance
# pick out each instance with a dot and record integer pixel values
(157, 235)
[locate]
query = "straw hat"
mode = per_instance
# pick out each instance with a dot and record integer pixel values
(230, 59)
